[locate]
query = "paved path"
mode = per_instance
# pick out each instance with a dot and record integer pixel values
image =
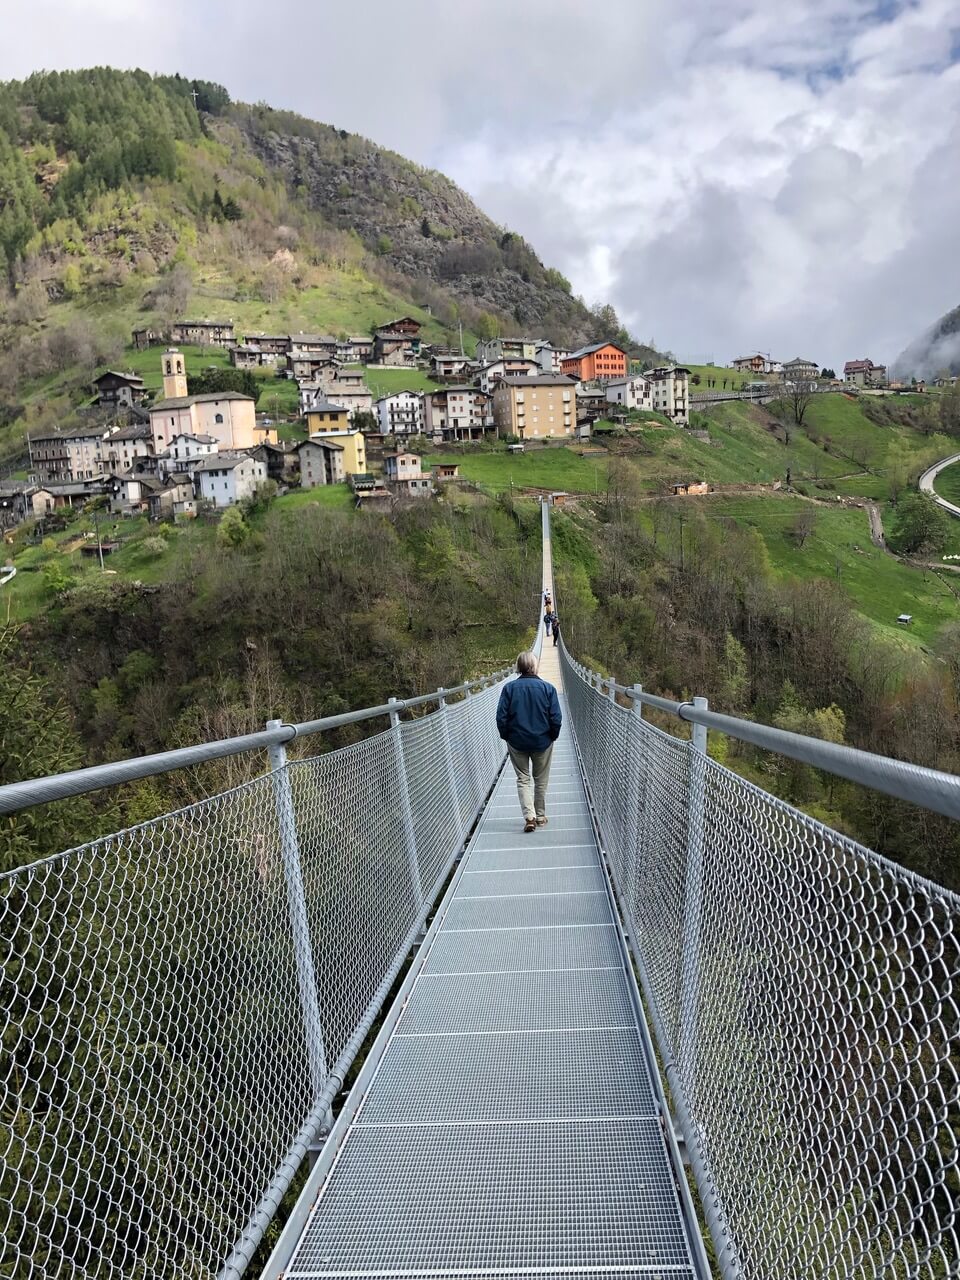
(511, 1127)
(928, 477)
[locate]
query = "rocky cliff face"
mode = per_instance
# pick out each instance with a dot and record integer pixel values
(417, 221)
(936, 352)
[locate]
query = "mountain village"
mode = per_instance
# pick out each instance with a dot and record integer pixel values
(180, 454)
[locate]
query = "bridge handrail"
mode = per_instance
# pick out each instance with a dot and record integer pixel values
(802, 989)
(222, 966)
(22, 795)
(929, 788)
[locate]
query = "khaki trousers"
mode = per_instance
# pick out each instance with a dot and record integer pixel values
(533, 774)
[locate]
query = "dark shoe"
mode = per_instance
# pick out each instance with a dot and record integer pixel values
(529, 825)
(542, 822)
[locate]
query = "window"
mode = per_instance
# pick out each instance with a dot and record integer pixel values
(218, 417)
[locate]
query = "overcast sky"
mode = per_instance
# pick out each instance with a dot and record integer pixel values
(733, 175)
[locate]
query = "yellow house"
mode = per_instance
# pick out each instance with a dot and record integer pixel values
(328, 421)
(228, 416)
(324, 416)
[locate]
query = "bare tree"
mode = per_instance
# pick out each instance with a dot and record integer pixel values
(804, 525)
(793, 400)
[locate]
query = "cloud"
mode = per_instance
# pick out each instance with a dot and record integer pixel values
(729, 173)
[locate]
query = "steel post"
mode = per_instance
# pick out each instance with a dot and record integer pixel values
(443, 713)
(297, 909)
(406, 814)
(692, 907)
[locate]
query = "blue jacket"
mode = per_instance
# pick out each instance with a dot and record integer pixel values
(528, 714)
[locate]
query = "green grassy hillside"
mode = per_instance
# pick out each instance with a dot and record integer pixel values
(947, 483)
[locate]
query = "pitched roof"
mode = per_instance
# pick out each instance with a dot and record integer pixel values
(595, 346)
(313, 339)
(203, 324)
(322, 442)
(139, 431)
(113, 373)
(853, 366)
(220, 461)
(541, 380)
(325, 406)
(207, 397)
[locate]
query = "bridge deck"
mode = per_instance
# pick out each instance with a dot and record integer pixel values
(511, 1126)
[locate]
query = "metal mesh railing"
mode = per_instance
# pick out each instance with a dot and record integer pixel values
(179, 1000)
(805, 994)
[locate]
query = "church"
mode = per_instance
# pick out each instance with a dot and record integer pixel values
(228, 416)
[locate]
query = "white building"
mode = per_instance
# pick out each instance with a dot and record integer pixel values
(491, 374)
(400, 414)
(670, 392)
(344, 386)
(184, 450)
(631, 393)
(224, 479)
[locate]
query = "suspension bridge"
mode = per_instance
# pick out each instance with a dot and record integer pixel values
(683, 1030)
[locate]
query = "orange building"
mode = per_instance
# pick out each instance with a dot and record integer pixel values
(598, 363)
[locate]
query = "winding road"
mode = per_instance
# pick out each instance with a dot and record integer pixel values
(928, 477)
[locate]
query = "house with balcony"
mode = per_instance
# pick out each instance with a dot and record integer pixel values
(670, 392)
(537, 407)
(400, 414)
(489, 374)
(630, 393)
(345, 387)
(404, 474)
(864, 373)
(113, 388)
(800, 370)
(457, 413)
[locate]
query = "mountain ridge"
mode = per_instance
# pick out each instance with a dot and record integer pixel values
(935, 352)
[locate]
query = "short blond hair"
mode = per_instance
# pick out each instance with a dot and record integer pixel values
(527, 663)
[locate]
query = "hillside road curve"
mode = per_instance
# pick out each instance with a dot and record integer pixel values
(927, 479)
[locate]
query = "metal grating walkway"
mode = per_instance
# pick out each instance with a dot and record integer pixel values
(510, 1127)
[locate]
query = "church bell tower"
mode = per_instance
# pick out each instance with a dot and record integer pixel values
(174, 375)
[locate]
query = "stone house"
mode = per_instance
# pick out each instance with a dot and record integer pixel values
(203, 333)
(321, 462)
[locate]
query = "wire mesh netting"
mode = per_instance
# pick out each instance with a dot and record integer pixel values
(804, 992)
(174, 996)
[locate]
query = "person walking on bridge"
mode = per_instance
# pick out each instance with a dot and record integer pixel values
(548, 619)
(529, 720)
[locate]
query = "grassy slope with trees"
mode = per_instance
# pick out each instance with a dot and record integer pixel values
(122, 205)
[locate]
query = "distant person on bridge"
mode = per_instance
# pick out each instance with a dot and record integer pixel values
(529, 720)
(548, 618)
(556, 630)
